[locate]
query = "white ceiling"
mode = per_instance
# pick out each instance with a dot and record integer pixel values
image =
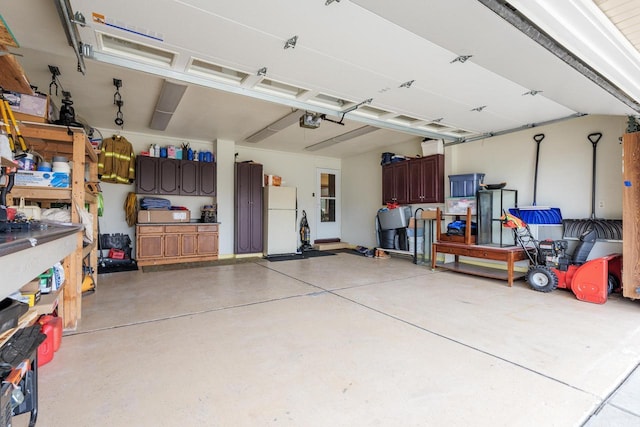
(350, 50)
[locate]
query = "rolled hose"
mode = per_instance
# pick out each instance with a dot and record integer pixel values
(131, 209)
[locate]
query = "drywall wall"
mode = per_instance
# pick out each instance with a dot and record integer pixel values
(362, 192)
(297, 171)
(565, 165)
(113, 219)
(564, 175)
(564, 179)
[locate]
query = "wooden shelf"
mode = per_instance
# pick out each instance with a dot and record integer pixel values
(53, 140)
(467, 239)
(86, 251)
(509, 255)
(479, 270)
(48, 302)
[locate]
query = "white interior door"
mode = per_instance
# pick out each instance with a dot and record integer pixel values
(328, 204)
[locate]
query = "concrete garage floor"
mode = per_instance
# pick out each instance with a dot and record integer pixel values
(341, 340)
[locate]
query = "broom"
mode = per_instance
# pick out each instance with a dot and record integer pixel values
(535, 214)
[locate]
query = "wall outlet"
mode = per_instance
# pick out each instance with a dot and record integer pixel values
(601, 204)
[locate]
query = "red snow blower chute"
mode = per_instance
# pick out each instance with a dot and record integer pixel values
(552, 267)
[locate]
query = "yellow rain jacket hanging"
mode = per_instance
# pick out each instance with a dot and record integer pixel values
(116, 162)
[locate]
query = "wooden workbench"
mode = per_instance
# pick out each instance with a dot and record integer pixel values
(509, 254)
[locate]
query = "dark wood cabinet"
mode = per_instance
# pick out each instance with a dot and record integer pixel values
(426, 179)
(414, 181)
(146, 175)
(248, 208)
(206, 179)
(168, 176)
(175, 177)
(395, 183)
(189, 178)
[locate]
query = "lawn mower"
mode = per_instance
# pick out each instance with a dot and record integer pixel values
(552, 267)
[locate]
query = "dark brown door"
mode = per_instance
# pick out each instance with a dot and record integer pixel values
(395, 183)
(207, 179)
(387, 184)
(169, 176)
(416, 181)
(256, 208)
(248, 208)
(426, 179)
(433, 181)
(189, 178)
(146, 175)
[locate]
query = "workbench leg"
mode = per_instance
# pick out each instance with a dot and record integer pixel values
(434, 256)
(510, 263)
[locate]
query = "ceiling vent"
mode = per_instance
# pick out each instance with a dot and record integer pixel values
(170, 97)
(136, 51)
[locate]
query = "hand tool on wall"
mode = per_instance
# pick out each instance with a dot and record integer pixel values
(609, 229)
(18, 136)
(7, 126)
(535, 214)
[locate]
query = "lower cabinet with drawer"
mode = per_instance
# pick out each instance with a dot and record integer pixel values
(176, 243)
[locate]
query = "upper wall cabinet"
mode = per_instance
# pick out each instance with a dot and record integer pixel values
(163, 176)
(418, 180)
(426, 179)
(395, 183)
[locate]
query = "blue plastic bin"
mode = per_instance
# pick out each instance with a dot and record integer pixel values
(465, 185)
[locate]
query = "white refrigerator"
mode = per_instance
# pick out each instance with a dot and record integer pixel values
(280, 227)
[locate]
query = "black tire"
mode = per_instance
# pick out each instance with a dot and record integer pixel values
(542, 279)
(612, 284)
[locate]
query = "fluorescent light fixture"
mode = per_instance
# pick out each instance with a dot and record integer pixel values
(160, 120)
(276, 126)
(341, 138)
(168, 101)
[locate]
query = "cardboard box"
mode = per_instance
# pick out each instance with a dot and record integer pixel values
(41, 179)
(428, 215)
(28, 107)
(163, 215)
(30, 293)
(274, 180)
(435, 146)
(412, 224)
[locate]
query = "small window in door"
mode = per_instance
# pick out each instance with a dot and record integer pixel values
(327, 197)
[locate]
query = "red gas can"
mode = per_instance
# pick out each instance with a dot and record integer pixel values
(45, 350)
(56, 322)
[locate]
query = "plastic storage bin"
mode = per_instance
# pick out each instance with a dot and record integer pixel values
(465, 185)
(391, 219)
